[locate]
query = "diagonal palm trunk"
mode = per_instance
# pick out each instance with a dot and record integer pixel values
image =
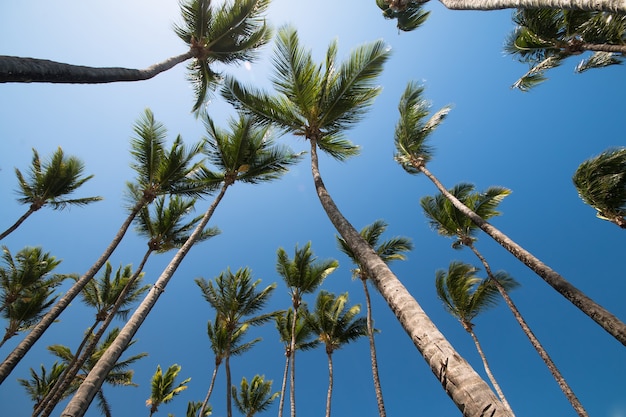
(25, 70)
(283, 388)
(571, 397)
(596, 312)
(210, 391)
(615, 6)
(84, 395)
(17, 224)
(292, 348)
(463, 385)
(329, 394)
(24, 346)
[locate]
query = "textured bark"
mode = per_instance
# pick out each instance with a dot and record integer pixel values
(24, 346)
(614, 6)
(329, 394)
(460, 381)
(14, 69)
(93, 382)
(596, 312)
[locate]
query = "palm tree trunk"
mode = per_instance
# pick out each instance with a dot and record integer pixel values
(84, 395)
(17, 223)
(24, 346)
(370, 336)
(292, 378)
(614, 6)
(284, 386)
(208, 394)
(602, 47)
(463, 385)
(229, 406)
(15, 69)
(599, 314)
(571, 397)
(330, 382)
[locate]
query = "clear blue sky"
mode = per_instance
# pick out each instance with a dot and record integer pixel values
(528, 142)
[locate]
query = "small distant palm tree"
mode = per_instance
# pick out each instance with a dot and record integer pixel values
(49, 183)
(465, 296)
(303, 275)
(335, 327)
(39, 385)
(601, 183)
(409, 15)
(255, 397)
(390, 250)
(163, 389)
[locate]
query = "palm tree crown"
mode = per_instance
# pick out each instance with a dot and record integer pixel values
(254, 397)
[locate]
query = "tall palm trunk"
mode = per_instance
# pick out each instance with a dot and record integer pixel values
(25, 70)
(604, 318)
(17, 224)
(571, 397)
(79, 359)
(229, 399)
(24, 346)
(370, 336)
(602, 6)
(84, 395)
(330, 382)
(283, 388)
(218, 362)
(463, 385)
(292, 347)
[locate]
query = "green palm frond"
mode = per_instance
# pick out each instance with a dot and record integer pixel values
(409, 18)
(303, 333)
(162, 387)
(599, 60)
(39, 385)
(333, 323)
(254, 397)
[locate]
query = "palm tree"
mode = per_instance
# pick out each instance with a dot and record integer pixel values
(163, 389)
(303, 334)
(389, 250)
(255, 397)
(249, 155)
(465, 296)
(229, 34)
(335, 327)
(414, 152)
(320, 102)
(236, 300)
(544, 38)
(39, 385)
(159, 171)
(303, 275)
(119, 375)
(601, 183)
(451, 222)
(409, 17)
(49, 183)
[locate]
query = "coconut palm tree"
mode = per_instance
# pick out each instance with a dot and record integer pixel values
(451, 222)
(409, 17)
(389, 250)
(335, 327)
(465, 296)
(254, 397)
(236, 300)
(39, 385)
(159, 171)
(601, 183)
(319, 103)
(303, 334)
(228, 34)
(162, 387)
(544, 38)
(413, 152)
(303, 275)
(49, 184)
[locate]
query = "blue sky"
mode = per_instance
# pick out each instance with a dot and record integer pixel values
(528, 142)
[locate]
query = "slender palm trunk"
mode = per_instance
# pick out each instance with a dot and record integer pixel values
(229, 400)
(330, 382)
(211, 385)
(24, 346)
(292, 347)
(17, 223)
(84, 395)
(370, 336)
(15, 69)
(79, 359)
(614, 6)
(463, 385)
(283, 388)
(596, 312)
(569, 394)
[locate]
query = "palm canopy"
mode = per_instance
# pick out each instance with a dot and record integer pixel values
(163, 389)
(409, 15)
(254, 397)
(303, 332)
(319, 102)
(39, 385)
(601, 183)
(224, 342)
(465, 295)
(414, 128)
(449, 221)
(390, 250)
(543, 38)
(230, 33)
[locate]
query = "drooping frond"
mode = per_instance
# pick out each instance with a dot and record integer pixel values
(409, 17)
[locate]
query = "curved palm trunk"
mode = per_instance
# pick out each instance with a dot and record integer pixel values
(84, 395)
(284, 386)
(614, 6)
(571, 397)
(79, 359)
(15, 69)
(370, 336)
(330, 382)
(17, 223)
(211, 385)
(24, 346)
(599, 314)
(463, 385)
